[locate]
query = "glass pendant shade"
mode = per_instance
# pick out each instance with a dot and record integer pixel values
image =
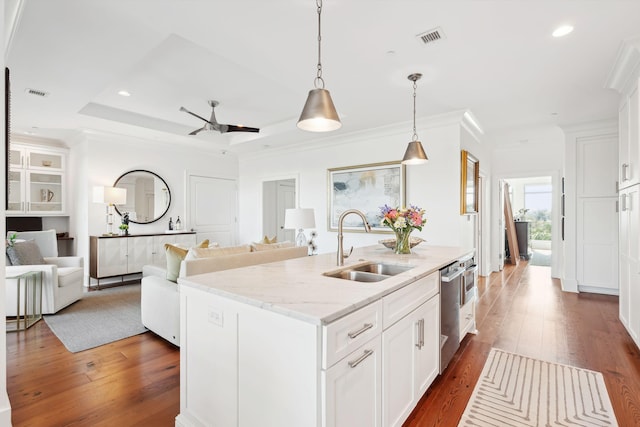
(415, 154)
(319, 114)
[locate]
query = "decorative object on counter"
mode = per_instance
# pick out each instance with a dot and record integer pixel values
(299, 219)
(319, 114)
(170, 223)
(12, 239)
(364, 187)
(470, 167)
(522, 214)
(415, 154)
(402, 221)
(124, 227)
(391, 243)
(178, 223)
(110, 196)
(312, 244)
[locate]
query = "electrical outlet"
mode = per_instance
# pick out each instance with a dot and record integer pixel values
(215, 316)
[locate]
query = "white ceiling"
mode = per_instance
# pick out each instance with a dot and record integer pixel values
(258, 58)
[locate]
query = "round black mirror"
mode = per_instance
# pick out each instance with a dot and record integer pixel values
(148, 196)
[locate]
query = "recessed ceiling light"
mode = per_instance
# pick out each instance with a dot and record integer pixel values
(562, 31)
(123, 93)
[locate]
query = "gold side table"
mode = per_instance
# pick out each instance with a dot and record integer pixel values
(29, 300)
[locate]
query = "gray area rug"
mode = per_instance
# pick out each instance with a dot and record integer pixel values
(515, 390)
(100, 317)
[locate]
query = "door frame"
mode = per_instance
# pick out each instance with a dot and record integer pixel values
(557, 259)
(270, 178)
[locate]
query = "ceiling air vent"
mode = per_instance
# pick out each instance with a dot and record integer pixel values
(36, 92)
(431, 36)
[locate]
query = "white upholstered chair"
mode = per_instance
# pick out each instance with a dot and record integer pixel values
(62, 277)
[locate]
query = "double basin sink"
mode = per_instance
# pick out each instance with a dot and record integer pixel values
(369, 272)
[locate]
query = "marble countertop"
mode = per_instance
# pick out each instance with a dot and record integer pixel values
(297, 287)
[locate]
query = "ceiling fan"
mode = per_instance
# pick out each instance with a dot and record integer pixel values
(212, 123)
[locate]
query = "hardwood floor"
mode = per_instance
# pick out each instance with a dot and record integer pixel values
(135, 382)
(522, 310)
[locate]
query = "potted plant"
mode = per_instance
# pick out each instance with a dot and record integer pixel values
(124, 229)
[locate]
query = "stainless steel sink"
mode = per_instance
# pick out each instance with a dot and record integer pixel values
(371, 272)
(385, 269)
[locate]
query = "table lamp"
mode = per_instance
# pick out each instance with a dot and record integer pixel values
(110, 196)
(299, 219)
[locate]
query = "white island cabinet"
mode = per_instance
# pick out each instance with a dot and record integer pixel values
(281, 344)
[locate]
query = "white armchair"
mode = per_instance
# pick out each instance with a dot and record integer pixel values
(62, 277)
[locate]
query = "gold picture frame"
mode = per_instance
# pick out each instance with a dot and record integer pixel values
(366, 188)
(470, 176)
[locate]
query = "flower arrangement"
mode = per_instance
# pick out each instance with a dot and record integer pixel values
(402, 221)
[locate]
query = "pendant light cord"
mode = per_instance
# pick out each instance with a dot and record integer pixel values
(319, 78)
(415, 133)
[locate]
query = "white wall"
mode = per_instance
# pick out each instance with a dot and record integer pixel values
(523, 152)
(434, 186)
(99, 159)
(5, 405)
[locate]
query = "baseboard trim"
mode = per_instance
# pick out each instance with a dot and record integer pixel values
(5, 410)
(596, 290)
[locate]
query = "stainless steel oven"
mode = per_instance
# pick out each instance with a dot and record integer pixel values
(468, 282)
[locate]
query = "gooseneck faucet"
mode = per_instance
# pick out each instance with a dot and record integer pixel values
(367, 228)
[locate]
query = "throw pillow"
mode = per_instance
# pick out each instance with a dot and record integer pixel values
(175, 255)
(25, 253)
(196, 253)
(270, 246)
(267, 240)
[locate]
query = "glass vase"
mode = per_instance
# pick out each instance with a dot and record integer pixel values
(403, 245)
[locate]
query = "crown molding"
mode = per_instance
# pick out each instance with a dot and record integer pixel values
(626, 68)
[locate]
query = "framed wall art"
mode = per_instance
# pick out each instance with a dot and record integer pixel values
(470, 167)
(365, 188)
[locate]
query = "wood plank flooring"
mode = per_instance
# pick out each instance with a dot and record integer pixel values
(135, 382)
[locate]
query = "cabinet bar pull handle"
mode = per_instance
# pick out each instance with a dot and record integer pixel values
(421, 333)
(624, 203)
(354, 363)
(418, 334)
(364, 328)
(625, 166)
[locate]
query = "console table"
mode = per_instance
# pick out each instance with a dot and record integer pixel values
(119, 256)
(29, 297)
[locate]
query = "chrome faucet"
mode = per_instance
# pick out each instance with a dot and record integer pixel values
(367, 228)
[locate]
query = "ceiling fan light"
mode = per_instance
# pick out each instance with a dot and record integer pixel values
(415, 154)
(319, 114)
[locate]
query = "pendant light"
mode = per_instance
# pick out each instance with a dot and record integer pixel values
(415, 154)
(319, 113)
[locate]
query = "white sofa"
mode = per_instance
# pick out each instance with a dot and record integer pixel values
(160, 298)
(62, 277)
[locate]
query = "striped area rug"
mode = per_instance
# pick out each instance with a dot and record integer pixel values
(515, 390)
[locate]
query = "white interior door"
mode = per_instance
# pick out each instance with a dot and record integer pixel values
(212, 205)
(286, 199)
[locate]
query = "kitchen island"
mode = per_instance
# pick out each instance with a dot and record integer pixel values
(285, 344)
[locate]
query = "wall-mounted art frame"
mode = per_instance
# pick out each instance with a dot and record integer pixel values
(470, 176)
(366, 188)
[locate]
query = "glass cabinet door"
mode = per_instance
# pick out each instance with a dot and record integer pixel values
(44, 160)
(45, 192)
(15, 159)
(15, 188)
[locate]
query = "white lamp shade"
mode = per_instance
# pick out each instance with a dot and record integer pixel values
(299, 218)
(110, 195)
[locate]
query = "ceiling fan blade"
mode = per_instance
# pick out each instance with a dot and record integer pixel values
(236, 128)
(193, 114)
(197, 131)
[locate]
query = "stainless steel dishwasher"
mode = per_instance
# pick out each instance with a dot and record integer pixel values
(450, 282)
